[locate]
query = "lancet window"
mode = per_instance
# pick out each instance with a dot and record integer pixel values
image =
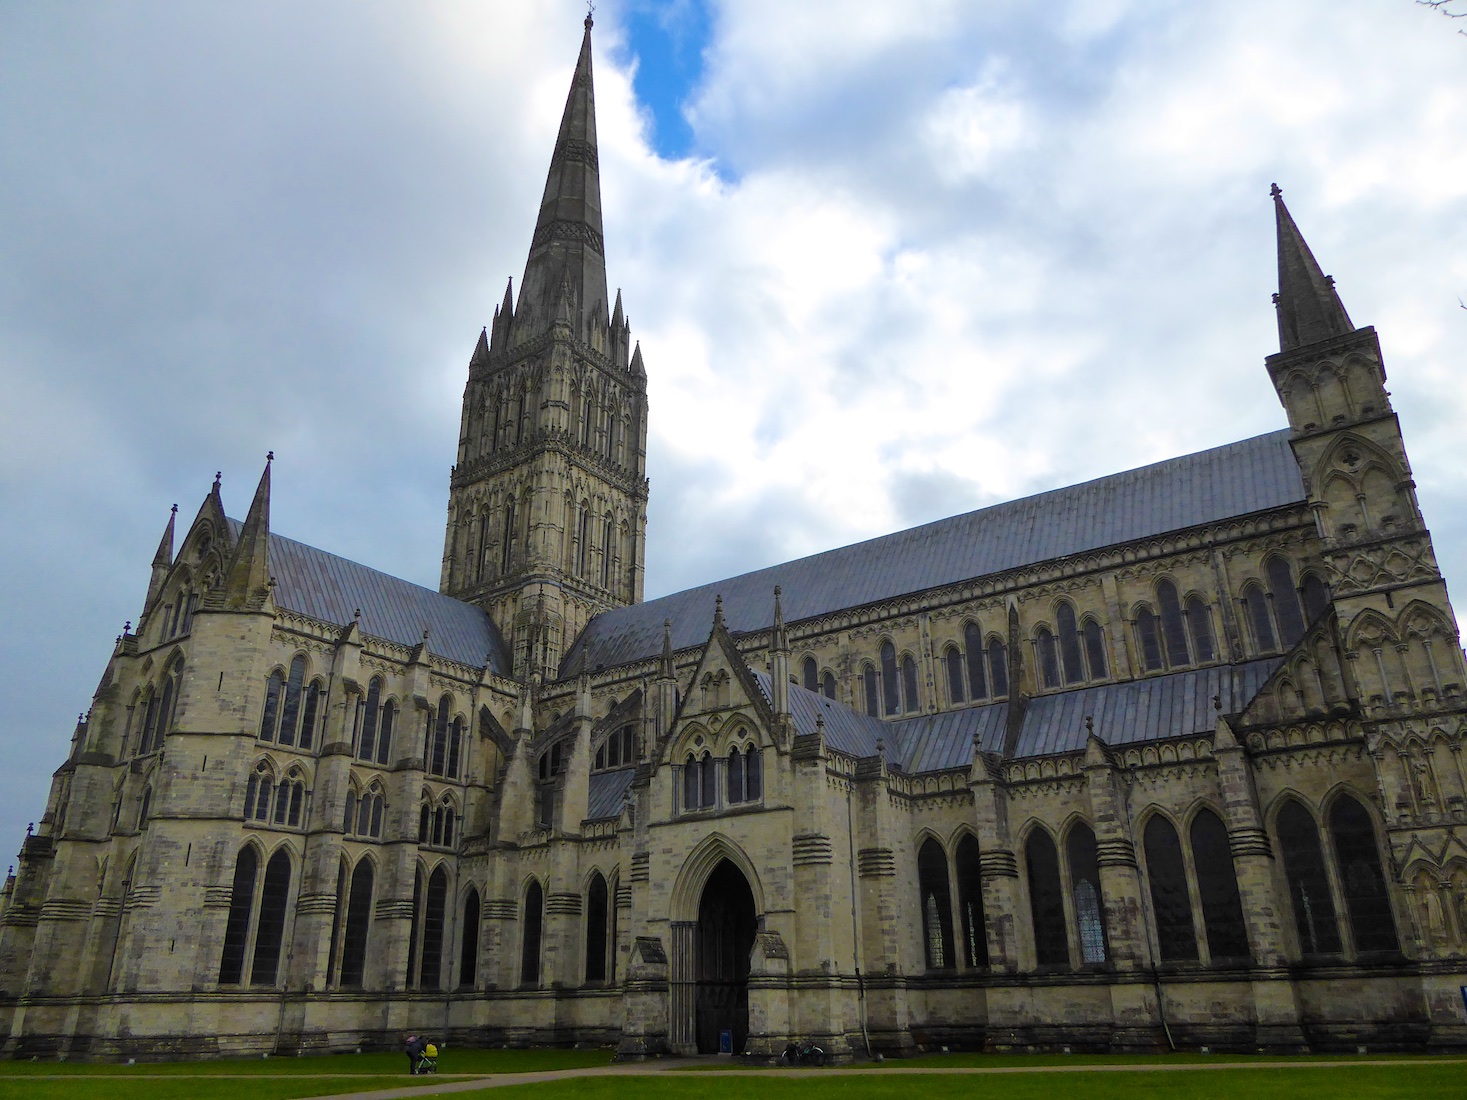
(378, 717)
(255, 928)
(937, 920)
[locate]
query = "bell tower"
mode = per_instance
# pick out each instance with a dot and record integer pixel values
(547, 509)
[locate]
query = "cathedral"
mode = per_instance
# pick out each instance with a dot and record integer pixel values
(1172, 759)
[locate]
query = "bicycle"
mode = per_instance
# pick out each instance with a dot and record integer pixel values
(805, 1054)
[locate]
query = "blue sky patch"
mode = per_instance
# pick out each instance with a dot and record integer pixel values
(668, 38)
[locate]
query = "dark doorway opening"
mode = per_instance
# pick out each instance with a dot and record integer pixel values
(726, 926)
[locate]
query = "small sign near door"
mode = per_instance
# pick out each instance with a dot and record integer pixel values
(725, 1041)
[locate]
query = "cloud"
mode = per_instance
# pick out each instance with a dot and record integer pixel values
(928, 257)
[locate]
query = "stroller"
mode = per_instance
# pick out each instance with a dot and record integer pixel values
(428, 1060)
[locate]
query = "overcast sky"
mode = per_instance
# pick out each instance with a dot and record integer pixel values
(887, 263)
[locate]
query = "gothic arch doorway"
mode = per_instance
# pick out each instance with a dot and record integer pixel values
(727, 921)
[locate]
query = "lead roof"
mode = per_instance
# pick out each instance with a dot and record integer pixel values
(329, 588)
(1253, 475)
(1156, 708)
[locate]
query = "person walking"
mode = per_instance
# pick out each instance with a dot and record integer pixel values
(414, 1052)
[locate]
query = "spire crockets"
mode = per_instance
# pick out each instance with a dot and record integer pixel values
(567, 249)
(1309, 310)
(249, 573)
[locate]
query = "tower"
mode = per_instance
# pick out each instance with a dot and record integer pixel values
(547, 507)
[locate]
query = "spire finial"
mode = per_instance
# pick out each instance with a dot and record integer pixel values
(269, 456)
(1275, 190)
(590, 11)
(174, 509)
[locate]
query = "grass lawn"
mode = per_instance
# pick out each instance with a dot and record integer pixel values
(1447, 1081)
(384, 1063)
(291, 1078)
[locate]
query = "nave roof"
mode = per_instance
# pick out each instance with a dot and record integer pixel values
(1253, 475)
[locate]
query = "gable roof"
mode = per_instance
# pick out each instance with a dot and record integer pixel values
(1152, 709)
(1253, 475)
(323, 586)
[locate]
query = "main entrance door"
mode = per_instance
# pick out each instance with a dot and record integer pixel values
(726, 926)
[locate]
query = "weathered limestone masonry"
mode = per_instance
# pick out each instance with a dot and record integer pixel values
(1171, 757)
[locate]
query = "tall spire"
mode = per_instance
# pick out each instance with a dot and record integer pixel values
(162, 561)
(249, 572)
(164, 557)
(567, 246)
(1309, 310)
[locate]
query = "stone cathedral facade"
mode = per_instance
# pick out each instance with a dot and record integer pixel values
(1173, 757)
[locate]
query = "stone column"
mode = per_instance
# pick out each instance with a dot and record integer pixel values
(1275, 998)
(1135, 1009)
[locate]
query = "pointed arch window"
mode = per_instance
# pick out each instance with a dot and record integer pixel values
(468, 952)
(371, 715)
(1309, 892)
(438, 740)
(530, 944)
(291, 705)
(1285, 600)
(1046, 901)
(973, 647)
(692, 785)
(1089, 902)
(274, 688)
(358, 926)
(937, 920)
(708, 793)
(1170, 902)
(827, 684)
(455, 747)
(507, 547)
(583, 539)
(1172, 630)
(1095, 649)
(608, 550)
(258, 792)
(998, 667)
(237, 927)
(1199, 625)
(952, 661)
(810, 674)
(1255, 603)
(891, 694)
(415, 928)
(1357, 857)
(1150, 638)
(1217, 888)
(596, 923)
(270, 927)
(150, 723)
(1048, 653)
(550, 766)
(734, 772)
(485, 520)
(1316, 596)
(870, 690)
(912, 702)
(338, 916)
(970, 902)
(434, 907)
(311, 714)
(1069, 644)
